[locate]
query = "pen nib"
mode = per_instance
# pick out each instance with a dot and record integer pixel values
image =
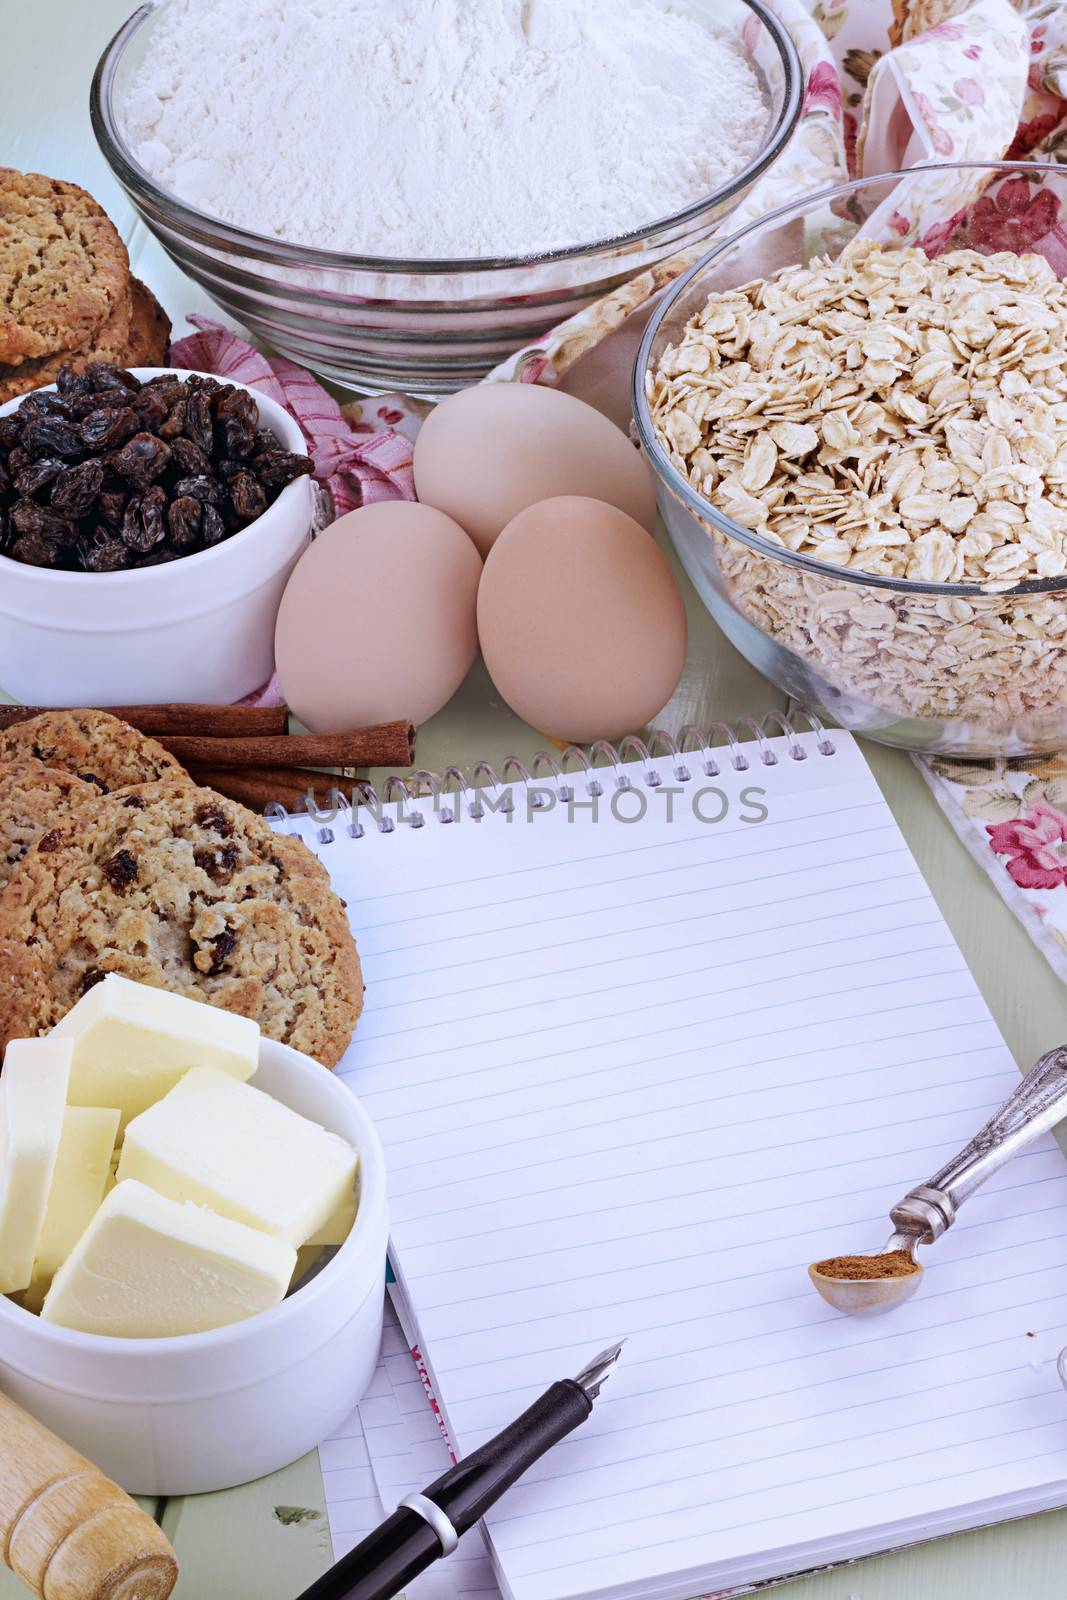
(593, 1376)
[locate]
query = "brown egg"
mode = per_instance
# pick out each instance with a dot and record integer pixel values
(377, 622)
(581, 623)
(487, 453)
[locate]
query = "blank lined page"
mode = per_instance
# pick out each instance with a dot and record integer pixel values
(631, 1077)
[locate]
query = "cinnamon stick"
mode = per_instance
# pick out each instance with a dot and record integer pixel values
(256, 787)
(390, 744)
(179, 721)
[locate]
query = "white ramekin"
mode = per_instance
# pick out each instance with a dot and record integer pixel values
(201, 628)
(210, 1410)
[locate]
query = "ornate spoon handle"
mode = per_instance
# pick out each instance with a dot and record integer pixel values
(1037, 1104)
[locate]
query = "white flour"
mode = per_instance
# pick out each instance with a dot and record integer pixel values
(441, 127)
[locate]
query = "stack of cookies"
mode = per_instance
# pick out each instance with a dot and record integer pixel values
(66, 294)
(113, 860)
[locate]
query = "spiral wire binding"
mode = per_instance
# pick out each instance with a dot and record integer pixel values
(494, 793)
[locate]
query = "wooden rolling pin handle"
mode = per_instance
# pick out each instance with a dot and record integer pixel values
(67, 1531)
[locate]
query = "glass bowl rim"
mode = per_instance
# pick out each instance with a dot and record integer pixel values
(702, 508)
(213, 231)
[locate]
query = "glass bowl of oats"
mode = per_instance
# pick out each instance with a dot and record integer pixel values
(856, 413)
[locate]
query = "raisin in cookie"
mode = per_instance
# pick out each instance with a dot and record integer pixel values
(97, 747)
(33, 799)
(63, 267)
(174, 886)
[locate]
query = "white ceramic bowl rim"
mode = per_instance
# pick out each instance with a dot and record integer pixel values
(702, 508)
(211, 231)
(289, 434)
(372, 1199)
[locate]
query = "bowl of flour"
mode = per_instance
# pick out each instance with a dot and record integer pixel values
(400, 196)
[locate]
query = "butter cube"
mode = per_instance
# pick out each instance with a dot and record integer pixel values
(33, 1092)
(338, 1226)
(148, 1267)
(132, 1043)
(83, 1167)
(226, 1145)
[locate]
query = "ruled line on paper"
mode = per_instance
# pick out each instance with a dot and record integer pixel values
(633, 847)
(716, 886)
(703, 947)
(669, 922)
(655, 1108)
(672, 923)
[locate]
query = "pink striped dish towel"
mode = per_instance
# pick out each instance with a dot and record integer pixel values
(357, 463)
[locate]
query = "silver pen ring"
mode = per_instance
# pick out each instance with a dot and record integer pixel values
(431, 1514)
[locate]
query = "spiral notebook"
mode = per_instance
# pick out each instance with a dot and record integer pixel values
(641, 1041)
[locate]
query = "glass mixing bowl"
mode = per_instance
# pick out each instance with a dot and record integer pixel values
(424, 327)
(937, 667)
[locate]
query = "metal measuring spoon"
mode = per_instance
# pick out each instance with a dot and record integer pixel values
(923, 1215)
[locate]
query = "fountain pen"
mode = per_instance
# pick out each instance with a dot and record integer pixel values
(427, 1526)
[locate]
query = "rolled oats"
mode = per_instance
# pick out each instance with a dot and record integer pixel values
(903, 417)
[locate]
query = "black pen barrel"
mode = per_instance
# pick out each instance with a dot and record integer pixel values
(383, 1564)
(466, 1493)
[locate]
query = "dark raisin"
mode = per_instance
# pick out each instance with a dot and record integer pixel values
(10, 432)
(198, 424)
(110, 556)
(212, 527)
(7, 532)
(236, 421)
(76, 488)
(207, 490)
(247, 496)
(173, 423)
(121, 870)
(33, 551)
(38, 475)
(222, 948)
(132, 526)
(213, 817)
(97, 783)
(159, 556)
(153, 515)
(50, 842)
(190, 459)
(218, 863)
(133, 802)
(276, 468)
(41, 522)
(183, 521)
(141, 460)
(151, 409)
(90, 979)
(71, 383)
(106, 429)
(50, 436)
(111, 506)
(104, 376)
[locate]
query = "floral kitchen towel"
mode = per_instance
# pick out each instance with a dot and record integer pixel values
(1012, 817)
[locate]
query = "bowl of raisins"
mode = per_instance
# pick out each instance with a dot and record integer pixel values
(149, 521)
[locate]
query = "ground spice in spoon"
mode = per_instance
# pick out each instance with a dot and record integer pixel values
(891, 1264)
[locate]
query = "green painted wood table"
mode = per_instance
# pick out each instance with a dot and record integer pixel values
(269, 1539)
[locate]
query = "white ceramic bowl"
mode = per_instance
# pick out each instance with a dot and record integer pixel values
(210, 1410)
(200, 629)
